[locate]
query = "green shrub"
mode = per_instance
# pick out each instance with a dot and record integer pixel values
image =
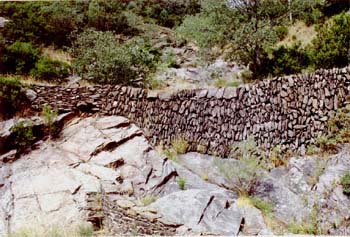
(99, 58)
(10, 92)
(331, 47)
(308, 11)
(10, 88)
(181, 182)
(288, 60)
(313, 18)
(281, 32)
(345, 182)
(20, 57)
(169, 59)
(108, 16)
(247, 76)
(203, 29)
(164, 13)
(23, 135)
(153, 83)
(303, 228)
(47, 69)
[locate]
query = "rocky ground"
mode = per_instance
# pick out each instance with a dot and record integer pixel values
(101, 171)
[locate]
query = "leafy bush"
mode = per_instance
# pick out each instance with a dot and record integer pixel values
(10, 92)
(27, 24)
(23, 135)
(331, 46)
(288, 60)
(99, 58)
(20, 57)
(164, 12)
(247, 76)
(169, 59)
(308, 11)
(281, 31)
(203, 29)
(327, 144)
(52, 22)
(47, 69)
(108, 16)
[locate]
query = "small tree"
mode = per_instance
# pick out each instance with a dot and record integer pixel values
(254, 30)
(332, 44)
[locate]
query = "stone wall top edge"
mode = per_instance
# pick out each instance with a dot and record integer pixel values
(210, 93)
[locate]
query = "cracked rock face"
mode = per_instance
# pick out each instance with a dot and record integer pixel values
(57, 185)
(103, 171)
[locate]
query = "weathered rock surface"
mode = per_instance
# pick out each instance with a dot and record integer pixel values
(109, 159)
(306, 188)
(103, 171)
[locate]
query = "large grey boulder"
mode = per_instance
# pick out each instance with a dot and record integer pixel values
(201, 211)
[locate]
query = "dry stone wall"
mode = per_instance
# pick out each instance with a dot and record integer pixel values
(289, 111)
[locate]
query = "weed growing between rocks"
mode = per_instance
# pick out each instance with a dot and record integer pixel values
(181, 182)
(309, 226)
(265, 207)
(148, 200)
(338, 132)
(180, 145)
(49, 115)
(345, 182)
(81, 230)
(86, 230)
(244, 173)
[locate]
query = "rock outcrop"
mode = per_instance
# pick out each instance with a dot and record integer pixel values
(102, 171)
